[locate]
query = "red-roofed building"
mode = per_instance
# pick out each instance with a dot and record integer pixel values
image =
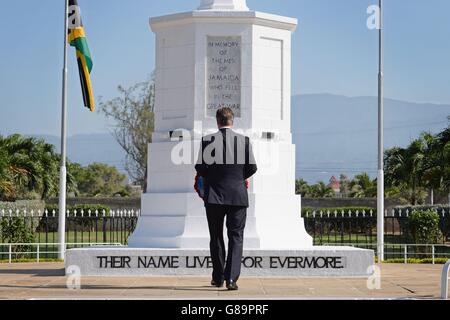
(335, 184)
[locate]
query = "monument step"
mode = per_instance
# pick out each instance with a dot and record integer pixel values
(125, 261)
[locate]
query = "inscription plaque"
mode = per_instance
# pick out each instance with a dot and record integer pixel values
(223, 83)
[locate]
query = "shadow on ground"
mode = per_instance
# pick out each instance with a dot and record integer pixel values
(35, 272)
(112, 287)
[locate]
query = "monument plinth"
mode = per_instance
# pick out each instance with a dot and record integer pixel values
(222, 54)
(206, 59)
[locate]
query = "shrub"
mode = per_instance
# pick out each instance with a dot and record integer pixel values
(16, 230)
(424, 227)
(21, 205)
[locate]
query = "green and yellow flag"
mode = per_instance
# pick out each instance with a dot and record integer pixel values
(77, 39)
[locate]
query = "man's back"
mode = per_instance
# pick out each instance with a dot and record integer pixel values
(226, 162)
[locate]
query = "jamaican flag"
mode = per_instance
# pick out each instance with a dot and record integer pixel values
(77, 39)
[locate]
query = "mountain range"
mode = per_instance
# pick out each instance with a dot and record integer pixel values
(333, 134)
(337, 134)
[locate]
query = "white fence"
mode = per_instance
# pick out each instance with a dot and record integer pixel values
(71, 213)
(443, 212)
(10, 253)
(402, 251)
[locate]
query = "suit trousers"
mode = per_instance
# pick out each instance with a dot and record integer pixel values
(235, 222)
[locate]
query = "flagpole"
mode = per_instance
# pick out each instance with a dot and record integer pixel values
(380, 187)
(63, 169)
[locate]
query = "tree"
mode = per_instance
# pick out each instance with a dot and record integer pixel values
(133, 115)
(362, 186)
(344, 184)
(48, 163)
(423, 165)
(302, 187)
(99, 179)
(321, 190)
(16, 169)
(28, 166)
(436, 169)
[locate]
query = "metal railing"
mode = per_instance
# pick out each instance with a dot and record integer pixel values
(15, 249)
(363, 213)
(333, 227)
(82, 226)
(70, 213)
(359, 226)
(404, 251)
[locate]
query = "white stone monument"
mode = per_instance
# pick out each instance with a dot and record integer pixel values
(221, 54)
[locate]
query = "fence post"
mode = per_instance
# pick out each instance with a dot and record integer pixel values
(10, 254)
(104, 228)
(432, 253)
(405, 252)
(37, 253)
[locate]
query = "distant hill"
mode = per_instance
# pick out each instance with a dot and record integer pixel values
(89, 148)
(338, 134)
(333, 134)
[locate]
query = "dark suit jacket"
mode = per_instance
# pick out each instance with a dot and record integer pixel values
(225, 161)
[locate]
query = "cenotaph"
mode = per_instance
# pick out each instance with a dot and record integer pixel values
(221, 54)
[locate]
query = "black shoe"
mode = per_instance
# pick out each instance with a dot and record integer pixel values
(232, 286)
(218, 284)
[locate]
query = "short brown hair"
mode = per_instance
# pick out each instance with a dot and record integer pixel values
(225, 117)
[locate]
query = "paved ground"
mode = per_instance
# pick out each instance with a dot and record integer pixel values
(47, 281)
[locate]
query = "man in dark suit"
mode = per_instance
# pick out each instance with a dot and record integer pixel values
(225, 162)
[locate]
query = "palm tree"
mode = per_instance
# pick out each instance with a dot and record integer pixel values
(29, 165)
(362, 186)
(321, 190)
(436, 171)
(17, 169)
(344, 185)
(302, 187)
(413, 168)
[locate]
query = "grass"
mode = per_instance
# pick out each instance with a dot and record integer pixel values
(355, 239)
(49, 252)
(418, 261)
(25, 260)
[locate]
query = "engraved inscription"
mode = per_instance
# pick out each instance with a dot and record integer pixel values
(223, 75)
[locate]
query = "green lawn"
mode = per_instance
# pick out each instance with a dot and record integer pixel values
(50, 251)
(78, 237)
(355, 239)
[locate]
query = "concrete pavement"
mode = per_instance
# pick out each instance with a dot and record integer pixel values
(47, 281)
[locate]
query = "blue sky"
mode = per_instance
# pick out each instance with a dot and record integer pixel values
(333, 52)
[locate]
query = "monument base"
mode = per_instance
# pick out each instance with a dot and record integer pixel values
(321, 261)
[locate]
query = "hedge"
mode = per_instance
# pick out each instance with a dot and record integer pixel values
(21, 205)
